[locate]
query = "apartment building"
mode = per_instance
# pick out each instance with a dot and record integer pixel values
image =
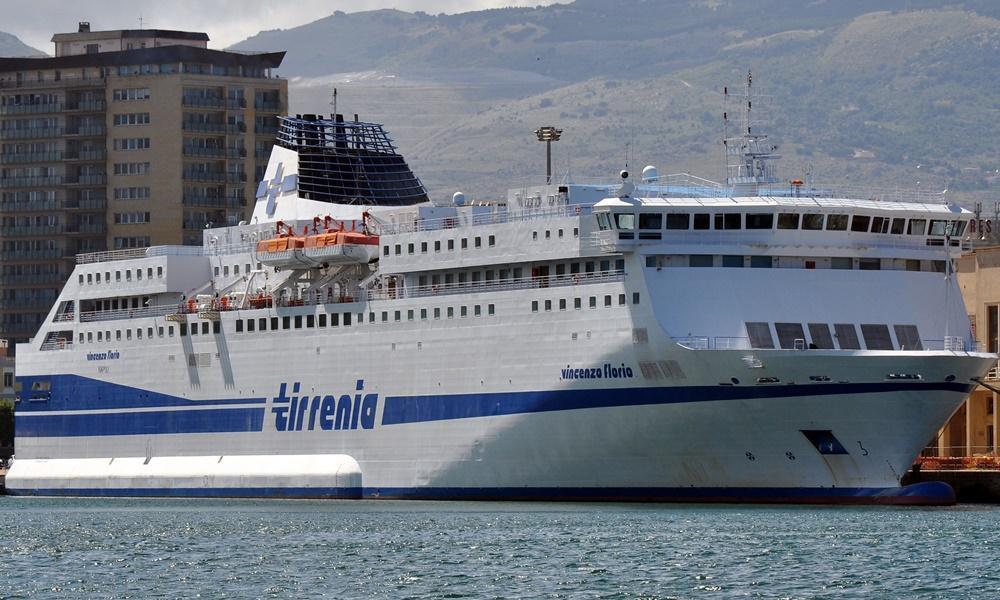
(123, 139)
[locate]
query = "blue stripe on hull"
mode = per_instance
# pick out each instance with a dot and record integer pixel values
(418, 409)
(349, 493)
(929, 493)
(220, 420)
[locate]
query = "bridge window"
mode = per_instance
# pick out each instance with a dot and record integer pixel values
(788, 334)
(957, 228)
(860, 223)
(812, 222)
(938, 228)
(239, 325)
(788, 221)
(847, 336)
(876, 336)
(880, 225)
(836, 222)
(678, 221)
(760, 335)
(917, 227)
(908, 337)
(870, 264)
(728, 220)
(842, 262)
(650, 220)
(625, 221)
(760, 221)
(761, 262)
(898, 225)
(820, 334)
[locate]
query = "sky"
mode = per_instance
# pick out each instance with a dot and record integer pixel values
(225, 21)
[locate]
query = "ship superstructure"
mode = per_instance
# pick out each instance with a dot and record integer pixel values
(671, 340)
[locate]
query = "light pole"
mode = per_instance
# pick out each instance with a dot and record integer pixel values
(548, 134)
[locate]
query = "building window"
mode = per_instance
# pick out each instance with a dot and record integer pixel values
(131, 119)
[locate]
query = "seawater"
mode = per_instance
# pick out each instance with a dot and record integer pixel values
(113, 548)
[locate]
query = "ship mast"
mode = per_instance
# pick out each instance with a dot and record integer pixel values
(749, 155)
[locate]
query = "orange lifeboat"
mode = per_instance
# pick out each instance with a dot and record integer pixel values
(281, 244)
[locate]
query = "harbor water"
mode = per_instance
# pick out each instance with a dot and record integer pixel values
(117, 548)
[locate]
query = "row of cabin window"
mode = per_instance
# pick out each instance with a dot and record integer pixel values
(573, 268)
(768, 262)
(876, 336)
(559, 232)
(578, 302)
(92, 278)
(334, 319)
(411, 247)
(224, 269)
(806, 222)
(160, 331)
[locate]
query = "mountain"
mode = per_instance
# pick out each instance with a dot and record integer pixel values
(890, 93)
(10, 45)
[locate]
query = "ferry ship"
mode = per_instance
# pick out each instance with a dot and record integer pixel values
(669, 339)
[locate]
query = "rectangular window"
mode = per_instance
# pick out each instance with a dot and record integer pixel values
(678, 220)
(216, 327)
(548, 305)
(286, 322)
(479, 242)
(310, 321)
(938, 228)
(593, 302)
(423, 314)
(820, 334)
(397, 316)
(788, 221)
(790, 336)
(760, 262)
(491, 309)
(262, 324)
(478, 310)
(908, 337)
(493, 240)
(607, 300)
(728, 220)
(842, 262)
(836, 222)
(917, 227)
(562, 304)
(423, 247)
(322, 319)
(347, 319)
(880, 225)
(812, 222)
(635, 297)
(847, 336)
(437, 312)
(732, 261)
(239, 325)
(870, 264)
(760, 335)
(274, 324)
(251, 325)
(650, 221)
(700, 260)
(701, 221)
(577, 303)
(898, 225)
(860, 223)
(409, 315)
(876, 336)
(760, 220)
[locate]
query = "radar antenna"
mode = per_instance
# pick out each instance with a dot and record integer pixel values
(749, 155)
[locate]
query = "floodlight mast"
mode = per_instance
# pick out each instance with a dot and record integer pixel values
(548, 134)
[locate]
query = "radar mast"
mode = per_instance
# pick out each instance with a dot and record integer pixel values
(749, 155)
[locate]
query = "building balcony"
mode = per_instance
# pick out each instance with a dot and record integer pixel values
(20, 158)
(36, 206)
(30, 255)
(199, 224)
(93, 155)
(213, 202)
(209, 176)
(236, 177)
(30, 230)
(65, 82)
(31, 182)
(262, 154)
(232, 153)
(86, 228)
(20, 304)
(85, 204)
(32, 279)
(31, 109)
(86, 106)
(31, 133)
(274, 107)
(87, 131)
(266, 130)
(24, 330)
(98, 179)
(203, 127)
